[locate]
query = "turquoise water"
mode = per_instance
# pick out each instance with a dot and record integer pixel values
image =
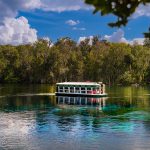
(32, 120)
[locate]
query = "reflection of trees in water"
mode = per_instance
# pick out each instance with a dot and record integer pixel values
(118, 107)
(136, 96)
(12, 89)
(22, 103)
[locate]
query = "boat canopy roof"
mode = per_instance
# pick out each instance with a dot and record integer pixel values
(79, 84)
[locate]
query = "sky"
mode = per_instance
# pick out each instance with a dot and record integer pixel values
(24, 21)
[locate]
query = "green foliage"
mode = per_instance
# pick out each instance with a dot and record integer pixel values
(147, 39)
(147, 35)
(127, 78)
(68, 61)
(114, 62)
(141, 62)
(147, 42)
(122, 9)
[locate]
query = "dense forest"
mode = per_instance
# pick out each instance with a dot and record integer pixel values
(66, 60)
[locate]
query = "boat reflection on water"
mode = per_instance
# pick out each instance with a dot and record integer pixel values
(81, 101)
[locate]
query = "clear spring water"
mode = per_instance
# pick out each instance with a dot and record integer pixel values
(29, 121)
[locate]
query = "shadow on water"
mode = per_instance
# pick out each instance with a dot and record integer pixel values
(46, 120)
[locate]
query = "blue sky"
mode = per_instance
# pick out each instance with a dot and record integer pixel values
(24, 21)
(53, 24)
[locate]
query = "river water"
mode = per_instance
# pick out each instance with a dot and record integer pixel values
(32, 119)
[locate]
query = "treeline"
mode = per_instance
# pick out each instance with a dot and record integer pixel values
(66, 60)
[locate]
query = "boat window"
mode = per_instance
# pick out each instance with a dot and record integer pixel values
(71, 89)
(66, 88)
(82, 88)
(77, 88)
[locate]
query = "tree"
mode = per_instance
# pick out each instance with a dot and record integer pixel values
(147, 35)
(39, 53)
(3, 63)
(26, 60)
(65, 46)
(114, 65)
(85, 47)
(11, 64)
(75, 64)
(147, 39)
(68, 61)
(140, 63)
(147, 42)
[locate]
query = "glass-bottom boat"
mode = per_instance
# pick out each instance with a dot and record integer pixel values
(85, 89)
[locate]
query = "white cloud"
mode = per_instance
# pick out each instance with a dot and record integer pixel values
(84, 38)
(72, 22)
(142, 10)
(17, 31)
(32, 4)
(137, 41)
(116, 37)
(64, 5)
(10, 8)
(80, 29)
